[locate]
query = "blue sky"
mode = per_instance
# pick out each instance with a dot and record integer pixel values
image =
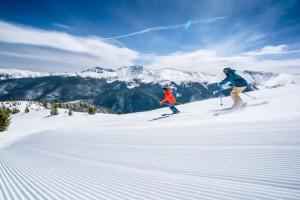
(200, 35)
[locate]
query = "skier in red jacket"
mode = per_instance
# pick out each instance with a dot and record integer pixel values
(170, 99)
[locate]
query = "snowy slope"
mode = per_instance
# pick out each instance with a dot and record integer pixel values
(282, 80)
(250, 154)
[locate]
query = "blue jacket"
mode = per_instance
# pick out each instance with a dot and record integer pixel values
(235, 79)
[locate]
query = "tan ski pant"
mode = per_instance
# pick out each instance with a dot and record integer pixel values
(235, 95)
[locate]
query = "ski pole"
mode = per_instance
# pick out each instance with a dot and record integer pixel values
(220, 95)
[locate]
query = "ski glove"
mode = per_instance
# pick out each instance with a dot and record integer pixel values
(216, 92)
(220, 86)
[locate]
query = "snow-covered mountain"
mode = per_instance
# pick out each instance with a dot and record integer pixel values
(126, 74)
(17, 73)
(129, 89)
(268, 79)
(139, 74)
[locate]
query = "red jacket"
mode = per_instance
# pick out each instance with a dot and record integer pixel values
(168, 97)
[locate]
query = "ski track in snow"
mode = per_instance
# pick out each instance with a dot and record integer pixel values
(208, 165)
(157, 160)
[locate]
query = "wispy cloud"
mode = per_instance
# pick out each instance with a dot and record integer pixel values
(168, 27)
(106, 52)
(62, 26)
(271, 50)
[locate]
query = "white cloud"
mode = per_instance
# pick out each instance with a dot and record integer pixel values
(106, 53)
(207, 60)
(32, 48)
(202, 60)
(269, 50)
(41, 59)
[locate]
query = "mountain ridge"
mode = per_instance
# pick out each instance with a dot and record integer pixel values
(129, 89)
(137, 73)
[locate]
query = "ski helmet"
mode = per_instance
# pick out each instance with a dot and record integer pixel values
(227, 70)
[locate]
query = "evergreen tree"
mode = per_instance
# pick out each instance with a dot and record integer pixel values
(15, 111)
(54, 110)
(4, 119)
(91, 110)
(70, 112)
(119, 112)
(45, 104)
(27, 109)
(8, 110)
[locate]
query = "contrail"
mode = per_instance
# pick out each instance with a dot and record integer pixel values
(159, 28)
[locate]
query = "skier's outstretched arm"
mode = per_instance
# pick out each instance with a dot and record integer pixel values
(163, 100)
(227, 79)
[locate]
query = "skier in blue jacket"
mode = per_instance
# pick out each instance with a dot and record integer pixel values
(239, 85)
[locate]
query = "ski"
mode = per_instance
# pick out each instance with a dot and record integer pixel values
(233, 109)
(164, 115)
(161, 117)
(221, 112)
(227, 110)
(167, 114)
(259, 103)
